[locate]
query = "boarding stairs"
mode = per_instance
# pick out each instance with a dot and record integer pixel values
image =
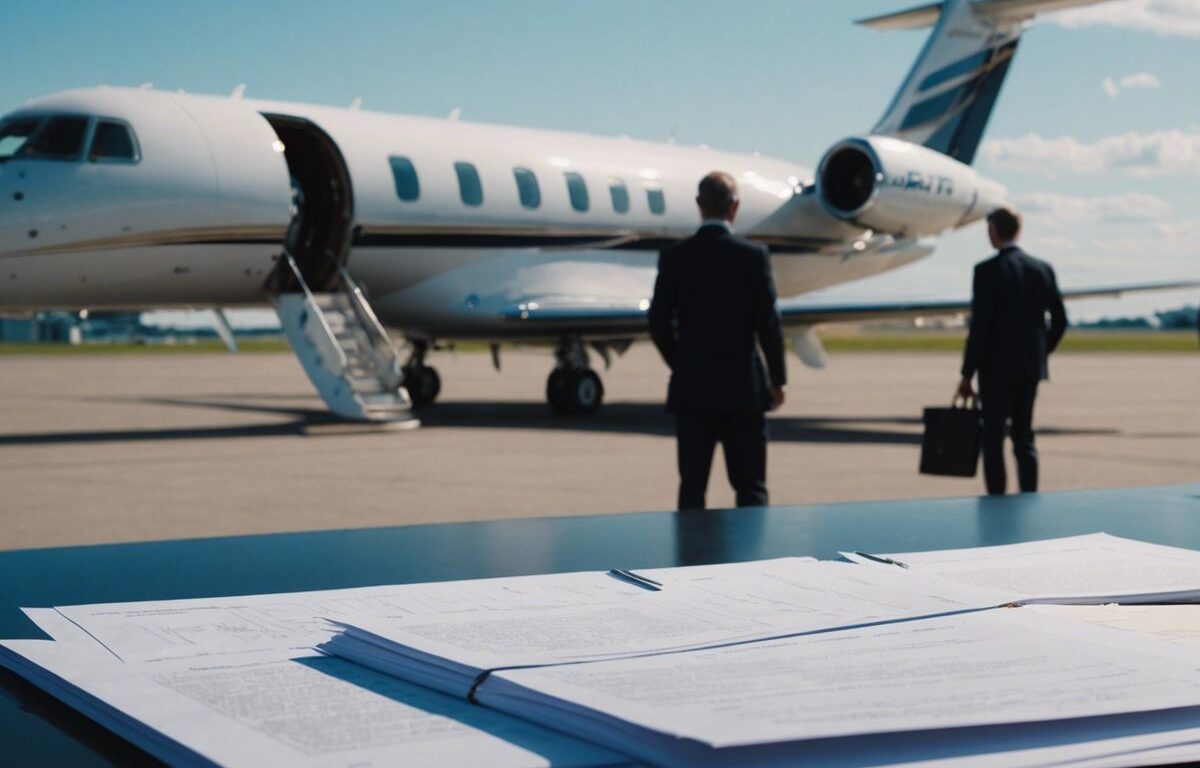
(345, 351)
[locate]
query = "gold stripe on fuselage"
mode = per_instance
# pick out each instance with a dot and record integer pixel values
(187, 236)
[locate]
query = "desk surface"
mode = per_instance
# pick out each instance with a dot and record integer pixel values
(36, 729)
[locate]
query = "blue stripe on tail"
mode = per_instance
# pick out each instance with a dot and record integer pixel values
(965, 108)
(957, 69)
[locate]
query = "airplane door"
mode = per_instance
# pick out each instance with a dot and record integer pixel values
(320, 235)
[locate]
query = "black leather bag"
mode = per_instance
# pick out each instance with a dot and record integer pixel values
(952, 440)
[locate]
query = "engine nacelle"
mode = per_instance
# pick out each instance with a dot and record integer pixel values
(902, 189)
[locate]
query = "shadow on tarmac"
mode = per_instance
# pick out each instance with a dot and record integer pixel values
(613, 418)
(651, 419)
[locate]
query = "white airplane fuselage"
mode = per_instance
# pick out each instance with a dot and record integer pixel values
(200, 216)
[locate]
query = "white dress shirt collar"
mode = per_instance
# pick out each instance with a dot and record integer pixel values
(718, 223)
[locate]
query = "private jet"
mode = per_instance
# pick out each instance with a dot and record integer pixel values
(351, 223)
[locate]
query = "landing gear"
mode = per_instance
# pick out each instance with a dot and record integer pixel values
(422, 381)
(573, 387)
(574, 391)
(423, 384)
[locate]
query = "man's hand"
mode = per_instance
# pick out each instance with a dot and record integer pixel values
(777, 398)
(965, 390)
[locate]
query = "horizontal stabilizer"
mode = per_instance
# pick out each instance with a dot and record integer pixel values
(913, 18)
(995, 10)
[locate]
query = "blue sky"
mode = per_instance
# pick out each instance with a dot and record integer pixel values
(1097, 134)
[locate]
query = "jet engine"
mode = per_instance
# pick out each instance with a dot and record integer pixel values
(898, 188)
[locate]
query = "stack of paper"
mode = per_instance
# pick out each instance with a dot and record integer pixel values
(236, 682)
(803, 682)
(774, 702)
(776, 662)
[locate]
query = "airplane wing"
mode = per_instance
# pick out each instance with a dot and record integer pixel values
(802, 312)
(549, 314)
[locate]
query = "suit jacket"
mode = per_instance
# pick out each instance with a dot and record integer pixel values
(714, 305)
(1009, 339)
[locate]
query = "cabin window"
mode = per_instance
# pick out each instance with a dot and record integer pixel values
(658, 203)
(620, 195)
(404, 175)
(470, 189)
(112, 141)
(577, 189)
(15, 133)
(59, 138)
(527, 187)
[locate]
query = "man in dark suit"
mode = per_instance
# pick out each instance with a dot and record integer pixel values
(1008, 345)
(714, 305)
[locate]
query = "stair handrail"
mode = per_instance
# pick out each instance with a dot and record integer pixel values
(325, 347)
(385, 356)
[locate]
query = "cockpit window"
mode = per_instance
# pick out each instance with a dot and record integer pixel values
(60, 138)
(15, 133)
(112, 141)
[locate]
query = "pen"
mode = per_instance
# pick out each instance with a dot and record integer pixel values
(881, 559)
(636, 580)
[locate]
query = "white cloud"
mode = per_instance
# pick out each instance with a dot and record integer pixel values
(1131, 206)
(1144, 80)
(1158, 153)
(1187, 230)
(1141, 80)
(1174, 244)
(1169, 18)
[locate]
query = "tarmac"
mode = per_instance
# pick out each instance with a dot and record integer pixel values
(112, 448)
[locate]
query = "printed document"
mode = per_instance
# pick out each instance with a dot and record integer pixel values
(753, 602)
(265, 710)
(1096, 568)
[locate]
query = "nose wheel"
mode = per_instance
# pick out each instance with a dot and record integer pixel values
(423, 384)
(422, 381)
(573, 387)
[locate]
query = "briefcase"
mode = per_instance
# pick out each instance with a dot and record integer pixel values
(952, 440)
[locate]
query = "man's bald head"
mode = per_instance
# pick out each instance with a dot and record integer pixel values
(718, 196)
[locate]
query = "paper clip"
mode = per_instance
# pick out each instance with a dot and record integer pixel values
(881, 559)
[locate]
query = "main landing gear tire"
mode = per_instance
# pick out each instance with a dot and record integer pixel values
(423, 384)
(570, 391)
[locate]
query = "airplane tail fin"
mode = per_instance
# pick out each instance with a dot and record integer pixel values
(949, 94)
